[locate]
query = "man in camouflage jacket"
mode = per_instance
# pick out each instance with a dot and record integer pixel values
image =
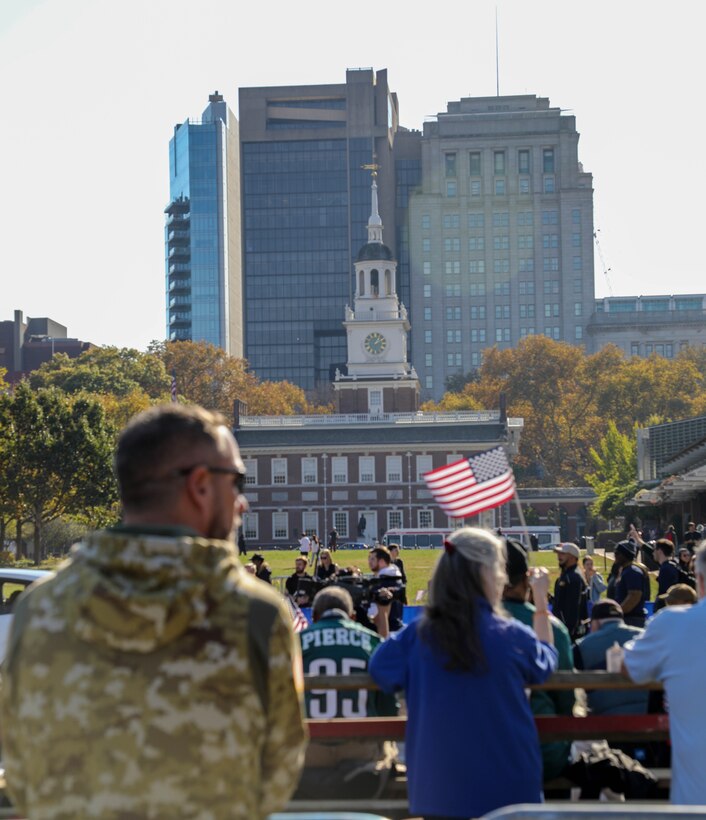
(151, 676)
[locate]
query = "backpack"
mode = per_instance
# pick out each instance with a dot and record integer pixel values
(683, 576)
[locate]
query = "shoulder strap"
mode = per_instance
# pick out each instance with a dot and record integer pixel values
(261, 617)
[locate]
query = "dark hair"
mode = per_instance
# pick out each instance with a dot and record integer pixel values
(450, 623)
(666, 546)
(332, 598)
(381, 553)
(159, 439)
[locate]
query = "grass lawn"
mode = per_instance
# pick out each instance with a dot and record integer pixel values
(418, 564)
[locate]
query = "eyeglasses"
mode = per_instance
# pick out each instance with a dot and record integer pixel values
(238, 477)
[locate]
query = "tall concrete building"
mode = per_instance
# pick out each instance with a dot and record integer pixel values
(305, 185)
(500, 234)
(202, 232)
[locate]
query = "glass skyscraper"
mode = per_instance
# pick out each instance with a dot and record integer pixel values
(306, 202)
(202, 231)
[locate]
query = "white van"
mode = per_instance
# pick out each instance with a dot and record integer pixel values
(548, 537)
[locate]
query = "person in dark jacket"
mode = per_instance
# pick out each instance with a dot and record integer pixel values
(632, 587)
(570, 604)
(668, 574)
(262, 568)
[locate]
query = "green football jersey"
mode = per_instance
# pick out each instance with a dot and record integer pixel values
(339, 646)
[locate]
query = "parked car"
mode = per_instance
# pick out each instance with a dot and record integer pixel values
(12, 583)
(353, 545)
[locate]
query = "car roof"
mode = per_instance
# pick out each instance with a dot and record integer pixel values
(9, 574)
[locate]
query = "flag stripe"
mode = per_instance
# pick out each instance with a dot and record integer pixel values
(472, 485)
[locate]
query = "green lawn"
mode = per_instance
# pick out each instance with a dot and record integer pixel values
(418, 564)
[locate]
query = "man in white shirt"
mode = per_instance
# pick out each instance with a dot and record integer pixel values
(669, 651)
(305, 546)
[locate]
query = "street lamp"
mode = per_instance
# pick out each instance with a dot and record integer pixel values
(409, 488)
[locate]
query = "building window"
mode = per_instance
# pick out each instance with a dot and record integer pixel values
(279, 470)
(550, 263)
(428, 360)
(427, 314)
(501, 219)
(549, 185)
(477, 311)
(551, 310)
(526, 288)
(426, 221)
(576, 216)
(475, 187)
(501, 242)
(502, 334)
(453, 314)
(526, 265)
(426, 245)
(453, 290)
(500, 186)
(525, 242)
(523, 161)
(475, 359)
(451, 221)
(524, 185)
(426, 291)
(578, 309)
(427, 337)
(453, 337)
(251, 526)
(501, 265)
(310, 522)
(280, 525)
(250, 471)
(576, 240)
(550, 217)
(476, 243)
(451, 188)
(425, 519)
(578, 332)
(527, 311)
(550, 240)
(474, 163)
(452, 244)
(394, 519)
(548, 161)
(477, 288)
(428, 382)
(498, 162)
(309, 471)
(635, 349)
(476, 220)
(393, 469)
(525, 219)
(366, 469)
(339, 470)
(340, 523)
(450, 165)
(424, 465)
(476, 266)
(578, 285)
(452, 267)
(551, 286)
(453, 360)
(502, 311)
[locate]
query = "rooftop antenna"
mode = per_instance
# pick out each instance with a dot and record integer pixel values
(606, 270)
(497, 57)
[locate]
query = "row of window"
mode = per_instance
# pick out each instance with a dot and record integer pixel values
(500, 219)
(501, 242)
(284, 528)
(551, 288)
(339, 470)
(502, 334)
(453, 313)
(550, 264)
(500, 166)
(500, 187)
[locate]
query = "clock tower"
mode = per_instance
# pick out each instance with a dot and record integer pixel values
(379, 378)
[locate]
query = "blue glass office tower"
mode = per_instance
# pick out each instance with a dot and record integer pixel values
(306, 202)
(202, 231)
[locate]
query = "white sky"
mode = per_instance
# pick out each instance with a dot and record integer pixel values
(91, 90)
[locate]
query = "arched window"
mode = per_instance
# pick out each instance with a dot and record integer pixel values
(361, 284)
(388, 283)
(374, 283)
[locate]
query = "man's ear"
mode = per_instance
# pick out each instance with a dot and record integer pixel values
(198, 486)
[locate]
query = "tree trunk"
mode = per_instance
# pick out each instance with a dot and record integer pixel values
(37, 538)
(18, 538)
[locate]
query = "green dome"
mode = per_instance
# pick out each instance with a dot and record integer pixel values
(372, 251)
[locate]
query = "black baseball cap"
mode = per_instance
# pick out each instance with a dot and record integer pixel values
(607, 608)
(517, 561)
(627, 547)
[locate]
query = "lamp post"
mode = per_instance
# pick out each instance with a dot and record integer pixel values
(409, 488)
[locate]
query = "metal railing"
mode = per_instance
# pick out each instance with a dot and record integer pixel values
(339, 419)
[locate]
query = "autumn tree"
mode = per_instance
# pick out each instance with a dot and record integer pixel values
(57, 454)
(207, 375)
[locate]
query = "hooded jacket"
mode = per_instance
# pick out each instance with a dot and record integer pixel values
(151, 677)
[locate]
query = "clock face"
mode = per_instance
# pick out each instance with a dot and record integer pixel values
(375, 343)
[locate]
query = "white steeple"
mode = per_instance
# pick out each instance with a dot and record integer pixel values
(374, 223)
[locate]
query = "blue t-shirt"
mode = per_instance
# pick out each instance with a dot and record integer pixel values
(631, 578)
(471, 741)
(670, 651)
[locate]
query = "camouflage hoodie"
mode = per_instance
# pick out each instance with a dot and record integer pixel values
(151, 677)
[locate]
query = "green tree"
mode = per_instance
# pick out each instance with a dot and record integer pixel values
(614, 479)
(57, 453)
(105, 370)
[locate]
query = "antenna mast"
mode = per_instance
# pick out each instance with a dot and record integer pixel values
(606, 270)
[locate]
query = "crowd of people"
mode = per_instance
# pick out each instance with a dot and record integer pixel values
(152, 675)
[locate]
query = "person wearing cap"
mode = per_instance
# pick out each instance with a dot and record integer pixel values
(608, 627)
(691, 537)
(679, 595)
(570, 592)
(555, 756)
(632, 586)
(262, 568)
(668, 652)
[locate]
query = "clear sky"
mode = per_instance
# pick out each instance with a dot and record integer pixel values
(91, 91)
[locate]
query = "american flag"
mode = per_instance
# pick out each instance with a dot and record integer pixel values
(473, 484)
(299, 621)
(174, 388)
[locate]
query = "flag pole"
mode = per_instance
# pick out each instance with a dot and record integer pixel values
(521, 515)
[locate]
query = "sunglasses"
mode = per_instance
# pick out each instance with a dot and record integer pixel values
(238, 477)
